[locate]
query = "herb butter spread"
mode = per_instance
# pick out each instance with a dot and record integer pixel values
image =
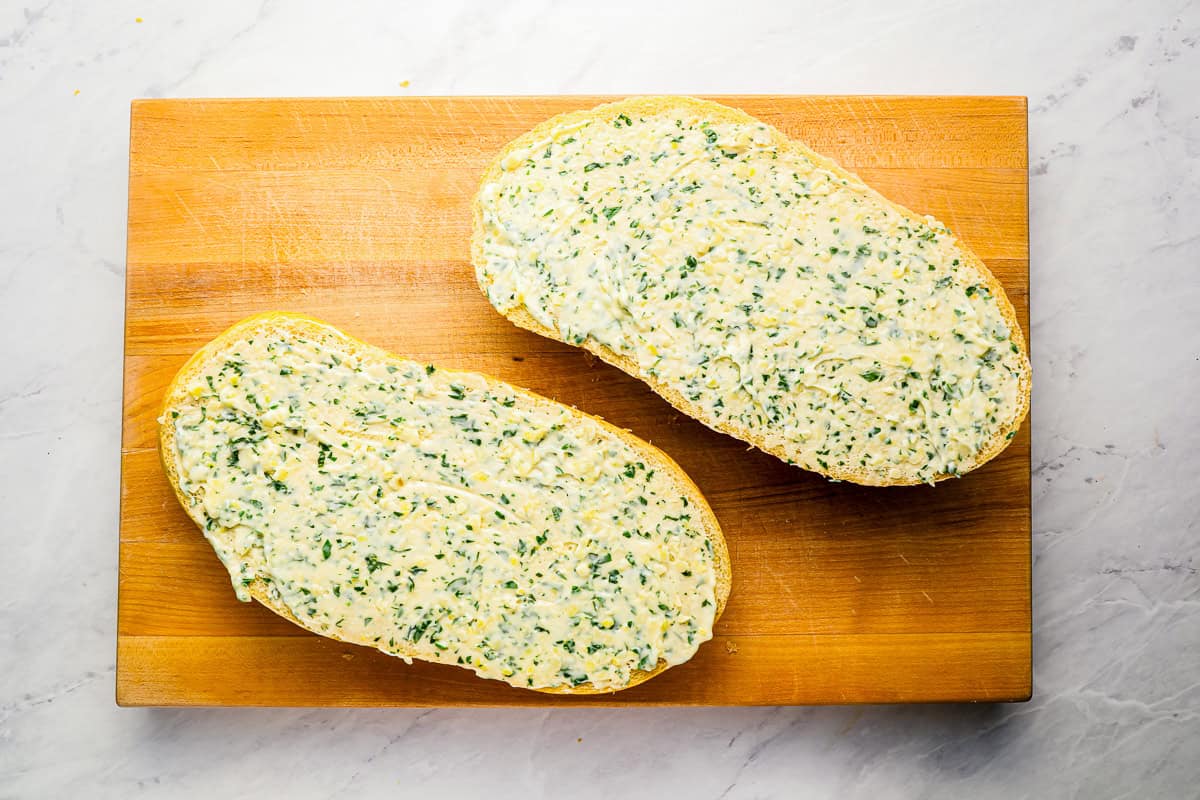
(758, 286)
(439, 515)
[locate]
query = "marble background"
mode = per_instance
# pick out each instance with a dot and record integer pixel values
(1114, 90)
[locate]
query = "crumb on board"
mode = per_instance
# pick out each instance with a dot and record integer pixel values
(730, 646)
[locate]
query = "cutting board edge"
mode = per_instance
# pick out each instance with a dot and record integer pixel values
(130, 692)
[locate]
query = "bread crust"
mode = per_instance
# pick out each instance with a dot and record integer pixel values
(309, 327)
(717, 112)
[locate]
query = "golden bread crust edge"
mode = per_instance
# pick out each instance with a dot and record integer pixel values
(718, 112)
(299, 323)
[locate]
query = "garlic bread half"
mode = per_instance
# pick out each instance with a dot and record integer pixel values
(440, 515)
(757, 286)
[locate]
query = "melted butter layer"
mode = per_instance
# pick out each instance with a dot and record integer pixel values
(428, 512)
(772, 294)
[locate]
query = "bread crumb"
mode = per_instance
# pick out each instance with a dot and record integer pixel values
(730, 646)
(580, 739)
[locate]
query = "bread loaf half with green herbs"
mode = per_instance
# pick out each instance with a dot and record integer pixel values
(757, 286)
(440, 515)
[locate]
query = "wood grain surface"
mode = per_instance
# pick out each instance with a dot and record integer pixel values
(356, 211)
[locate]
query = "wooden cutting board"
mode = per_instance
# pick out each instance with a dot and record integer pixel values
(357, 212)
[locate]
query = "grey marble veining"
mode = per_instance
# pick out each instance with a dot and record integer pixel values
(1114, 92)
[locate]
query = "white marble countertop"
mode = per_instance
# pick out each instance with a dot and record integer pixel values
(1114, 92)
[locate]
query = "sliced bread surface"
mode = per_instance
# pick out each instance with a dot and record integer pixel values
(440, 515)
(757, 286)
